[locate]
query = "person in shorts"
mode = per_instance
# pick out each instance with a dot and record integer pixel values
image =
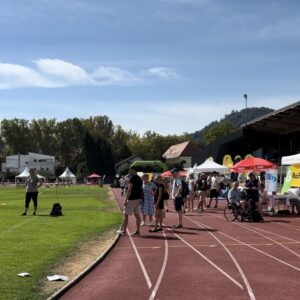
(176, 196)
(32, 185)
(214, 183)
(133, 198)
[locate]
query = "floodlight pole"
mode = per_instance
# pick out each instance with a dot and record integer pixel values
(246, 97)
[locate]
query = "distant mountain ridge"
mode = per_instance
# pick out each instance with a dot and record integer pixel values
(237, 118)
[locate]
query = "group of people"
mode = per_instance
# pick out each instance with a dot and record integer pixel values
(147, 198)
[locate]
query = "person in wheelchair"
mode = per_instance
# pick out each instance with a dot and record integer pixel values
(235, 196)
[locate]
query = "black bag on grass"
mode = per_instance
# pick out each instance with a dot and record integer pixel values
(56, 210)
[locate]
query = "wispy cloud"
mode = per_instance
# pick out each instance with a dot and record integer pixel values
(55, 73)
(13, 76)
(162, 72)
(113, 75)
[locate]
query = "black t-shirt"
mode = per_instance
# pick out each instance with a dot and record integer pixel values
(137, 188)
(202, 185)
(253, 194)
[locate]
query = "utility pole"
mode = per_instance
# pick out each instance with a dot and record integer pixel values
(246, 97)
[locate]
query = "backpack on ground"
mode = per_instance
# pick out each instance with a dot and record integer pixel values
(185, 189)
(255, 216)
(56, 210)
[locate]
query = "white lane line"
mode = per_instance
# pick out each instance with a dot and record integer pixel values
(289, 226)
(262, 252)
(266, 231)
(248, 286)
(266, 237)
(272, 233)
(207, 246)
(208, 260)
(162, 271)
(140, 261)
(18, 225)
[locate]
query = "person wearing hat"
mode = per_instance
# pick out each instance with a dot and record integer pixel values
(133, 198)
(176, 196)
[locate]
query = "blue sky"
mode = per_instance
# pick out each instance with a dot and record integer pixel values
(171, 66)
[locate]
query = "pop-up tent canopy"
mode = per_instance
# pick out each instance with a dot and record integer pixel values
(94, 175)
(24, 174)
(68, 175)
(210, 166)
(291, 160)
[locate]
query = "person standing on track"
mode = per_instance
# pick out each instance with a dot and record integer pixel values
(159, 205)
(147, 206)
(214, 183)
(176, 196)
(32, 185)
(133, 198)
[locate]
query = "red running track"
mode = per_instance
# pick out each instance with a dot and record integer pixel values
(209, 258)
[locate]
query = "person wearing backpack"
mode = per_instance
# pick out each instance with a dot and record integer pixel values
(177, 197)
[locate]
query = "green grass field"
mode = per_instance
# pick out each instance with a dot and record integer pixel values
(35, 244)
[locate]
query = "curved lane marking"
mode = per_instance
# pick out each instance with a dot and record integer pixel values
(274, 241)
(262, 252)
(208, 260)
(140, 261)
(248, 286)
(289, 226)
(162, 271)
(266, 231)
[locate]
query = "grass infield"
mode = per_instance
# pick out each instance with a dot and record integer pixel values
(36, 244)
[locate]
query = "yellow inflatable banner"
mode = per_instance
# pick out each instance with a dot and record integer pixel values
(295, 176)
(227, 161)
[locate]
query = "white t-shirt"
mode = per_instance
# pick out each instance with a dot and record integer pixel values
(214, 183)
(175, 187)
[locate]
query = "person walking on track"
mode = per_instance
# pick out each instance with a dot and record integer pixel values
(133, 198)
(32, 185)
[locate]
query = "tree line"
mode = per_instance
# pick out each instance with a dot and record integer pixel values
(87, 145)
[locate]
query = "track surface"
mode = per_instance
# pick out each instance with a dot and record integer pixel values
(209, 258)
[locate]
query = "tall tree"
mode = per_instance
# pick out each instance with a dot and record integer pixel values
(70, 142)
(44, 135)
(99, 126)
(17, 135)
(98, 155)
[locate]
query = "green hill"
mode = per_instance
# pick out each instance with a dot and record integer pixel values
(237, 118)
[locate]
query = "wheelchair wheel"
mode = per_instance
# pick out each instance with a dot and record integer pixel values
(230, 213)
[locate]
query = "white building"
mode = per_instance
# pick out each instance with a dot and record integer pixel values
(18, 163)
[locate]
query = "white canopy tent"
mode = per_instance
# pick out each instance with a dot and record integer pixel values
(291, 160)
(68, 175)
(210, 166)
(24, 174)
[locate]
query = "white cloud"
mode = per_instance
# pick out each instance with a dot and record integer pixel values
(113, 75)
(13, 76)
(54, 73)
(162, 72)
(68, 73)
